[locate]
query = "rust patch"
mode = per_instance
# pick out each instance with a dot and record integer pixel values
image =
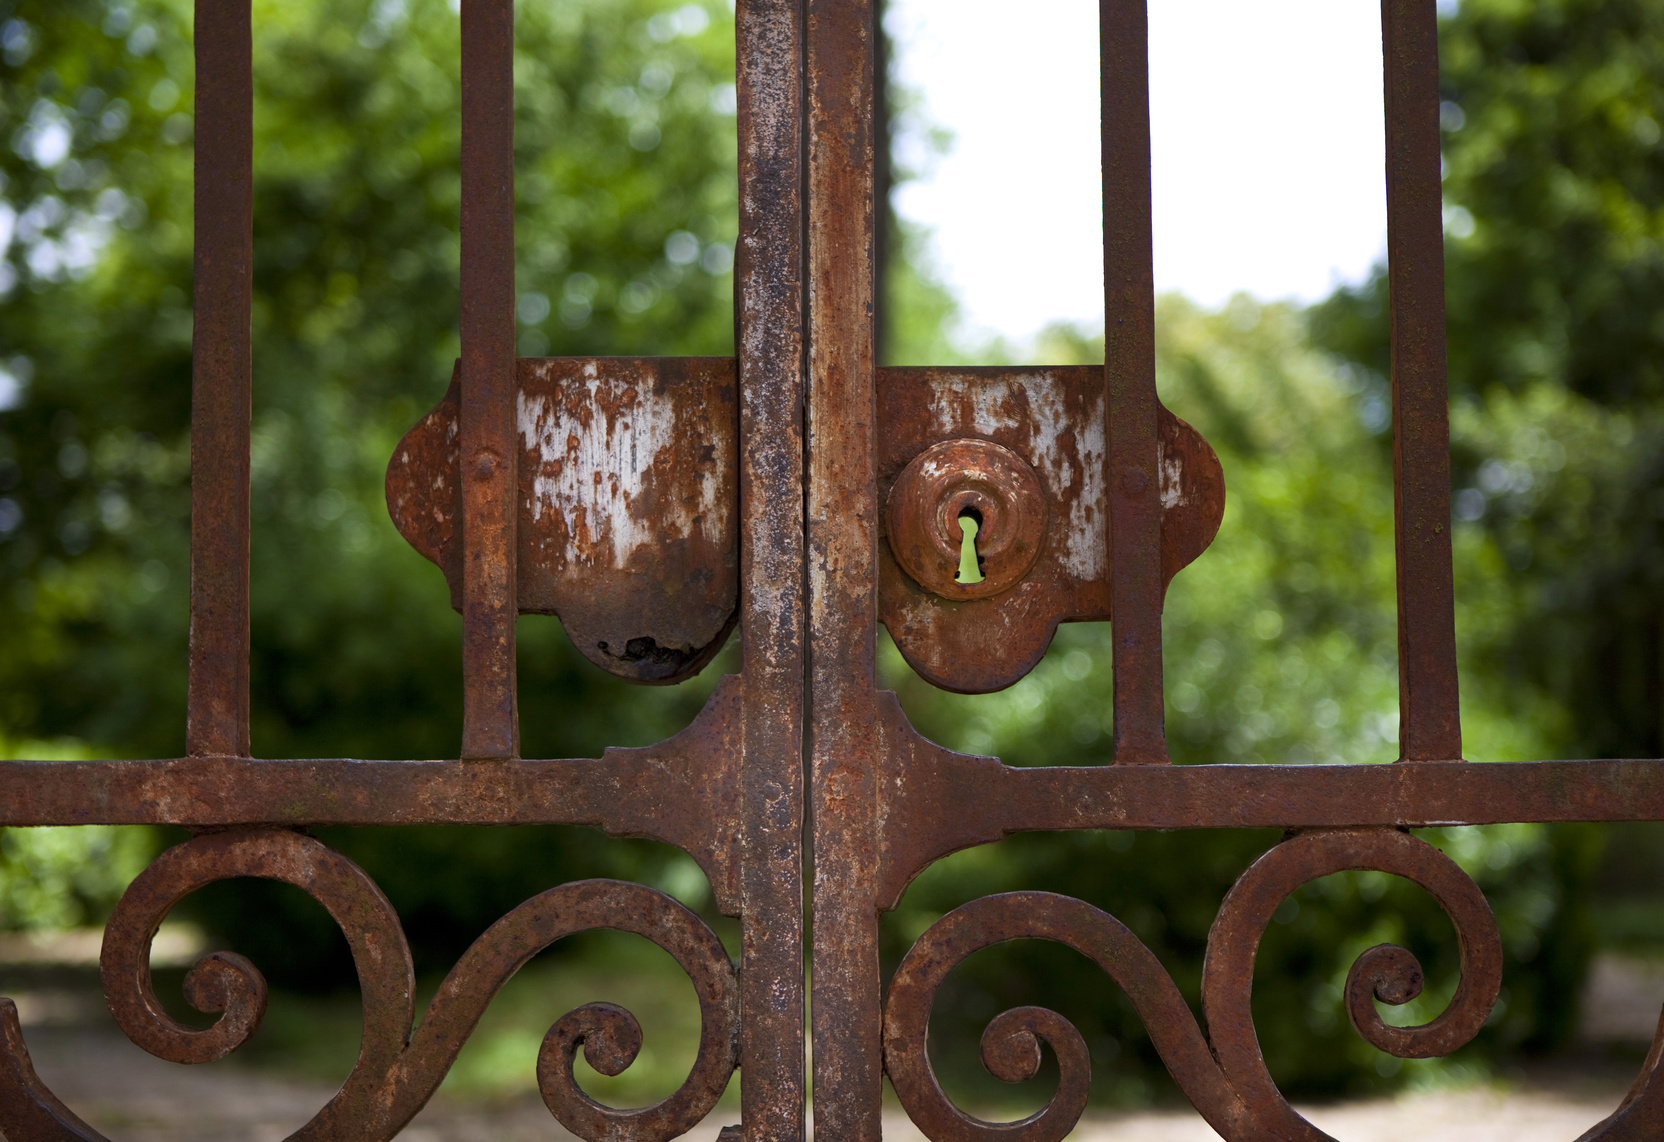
(628, 525)
(1053, 418)
(928, 506)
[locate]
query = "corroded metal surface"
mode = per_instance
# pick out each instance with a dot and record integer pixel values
(222, 386)
(399, 1068)
(1427, 698)
(1009, 1046)
(1223, 1074)
(1052, 418)
(1132, 475)
(769, 336)
(489, 458)
(651, 504)
(29, 1111)
(684, 791)
(842, 527)
(627, 526)
(934, 801)
(1640, 1117)
(628, 530)
(953, 800)
(934, 495)
(1387, 973)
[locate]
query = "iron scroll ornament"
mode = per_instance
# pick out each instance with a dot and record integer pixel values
(1223, 1074)
(397, 1070)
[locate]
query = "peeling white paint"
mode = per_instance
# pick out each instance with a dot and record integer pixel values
(996, 408)
(1172, 480)
(592, 466)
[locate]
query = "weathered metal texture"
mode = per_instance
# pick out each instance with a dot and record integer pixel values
(398, 1069)
(769, 339)
(1010, 1047)
(1387, 973)
(226, 983)
(744, 748)
(1429, 719)
(627, 529)
(684, 791)
(1223, 1074)
(842, 526)
(937, 801)
(1106, 496)
(489, 448)
(1053, 419)
(1132, 478)
(938, 491)
(221, 381)
(627, 503)
(934, 801)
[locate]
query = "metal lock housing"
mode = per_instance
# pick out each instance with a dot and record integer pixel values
(967, 477)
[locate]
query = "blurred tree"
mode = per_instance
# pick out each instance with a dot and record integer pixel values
(66, 877)
(1554, 254)
(625, 247)
(1280, 639)
(1554, 251)
(627, 214)
(1280, 647)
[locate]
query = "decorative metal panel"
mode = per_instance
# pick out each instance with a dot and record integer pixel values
(805, 494)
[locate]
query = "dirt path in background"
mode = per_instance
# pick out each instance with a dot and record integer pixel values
(133, 1097)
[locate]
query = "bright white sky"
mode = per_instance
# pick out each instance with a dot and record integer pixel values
(1266, 140)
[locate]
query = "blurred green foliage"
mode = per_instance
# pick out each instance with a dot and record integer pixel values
(625, 246)
(1554, 251)
(626, 198)
(64, 877)
(1280, 647)
(318, 1037)
(1280, 640)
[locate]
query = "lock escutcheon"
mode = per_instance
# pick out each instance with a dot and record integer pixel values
(966, 477)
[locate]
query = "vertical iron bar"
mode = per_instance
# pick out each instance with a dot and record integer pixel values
(843, 572)
(1130, 366)
(768, 303)
(216, 721)
(1429, 720)
(490, 481)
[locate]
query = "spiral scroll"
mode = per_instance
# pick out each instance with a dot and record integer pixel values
(1010, 1046)
(1388, 973)
(396, 1071)
(1223, 1075)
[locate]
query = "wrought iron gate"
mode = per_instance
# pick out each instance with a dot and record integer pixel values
(807, 494)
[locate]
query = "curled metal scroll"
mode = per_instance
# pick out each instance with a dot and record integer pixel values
(1385, 972)
(1224, 1075)
(1010, 1046)
(397, 1071)
(609, 1035)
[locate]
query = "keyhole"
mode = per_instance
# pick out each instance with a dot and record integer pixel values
(970, 570)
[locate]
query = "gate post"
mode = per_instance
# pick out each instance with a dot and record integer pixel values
(843, 572)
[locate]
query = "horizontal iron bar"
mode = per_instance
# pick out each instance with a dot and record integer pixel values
(218, 791)
(1292, 796)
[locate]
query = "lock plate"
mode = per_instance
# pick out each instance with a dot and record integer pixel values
(1052, 419)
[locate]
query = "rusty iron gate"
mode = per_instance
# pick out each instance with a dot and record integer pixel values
(807, 494)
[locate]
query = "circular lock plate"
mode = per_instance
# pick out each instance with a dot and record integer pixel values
(966, 477)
